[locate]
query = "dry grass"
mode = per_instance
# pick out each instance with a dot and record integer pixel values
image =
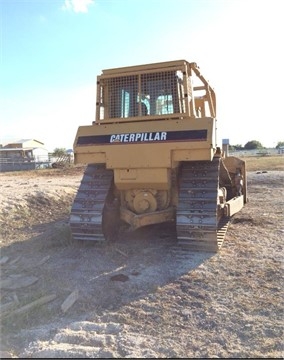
(67, 171)
(263, 163)
(253, 163)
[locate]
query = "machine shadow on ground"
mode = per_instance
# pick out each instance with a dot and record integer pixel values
(106, 276)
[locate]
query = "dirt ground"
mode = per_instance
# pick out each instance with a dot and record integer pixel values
(142, 296)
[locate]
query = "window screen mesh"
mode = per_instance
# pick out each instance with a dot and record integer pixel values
(142, 95)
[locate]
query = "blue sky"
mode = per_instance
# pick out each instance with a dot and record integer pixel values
(52, 50)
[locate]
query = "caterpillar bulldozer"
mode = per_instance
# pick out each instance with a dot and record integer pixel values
(152, 158)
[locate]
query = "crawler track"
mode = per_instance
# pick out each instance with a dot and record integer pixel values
(199, 223)
(86, 213)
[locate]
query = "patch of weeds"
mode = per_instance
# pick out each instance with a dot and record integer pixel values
(60, 237)
(20, 213)
(38, 314)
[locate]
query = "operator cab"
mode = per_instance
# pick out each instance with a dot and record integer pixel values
(126, 94)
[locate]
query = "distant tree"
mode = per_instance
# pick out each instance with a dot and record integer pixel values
(253, 145)
(236, 147)
(279, 144)
(59, 152)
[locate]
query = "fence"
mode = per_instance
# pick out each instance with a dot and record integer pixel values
(38, 162)
(256, 152)
(18, 164)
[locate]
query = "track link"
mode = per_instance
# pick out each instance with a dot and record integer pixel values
(86, 213)
(198, 221)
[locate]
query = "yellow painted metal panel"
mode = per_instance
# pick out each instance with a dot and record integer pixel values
(142, 178)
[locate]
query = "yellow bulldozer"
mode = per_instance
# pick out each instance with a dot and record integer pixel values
(152, 158)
